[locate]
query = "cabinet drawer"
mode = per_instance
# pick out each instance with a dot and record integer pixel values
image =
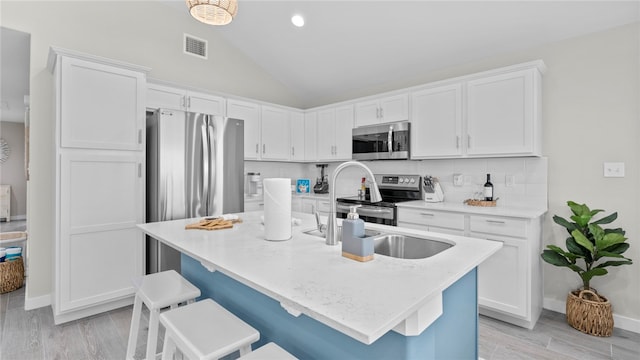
(323, 206)
(439, 219)
(498, 226)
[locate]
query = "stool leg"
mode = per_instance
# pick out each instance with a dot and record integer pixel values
(133, 329)
(169, 348)
(152, 341)
(245, 350)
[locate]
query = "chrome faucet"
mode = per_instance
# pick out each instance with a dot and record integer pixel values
(332, 224)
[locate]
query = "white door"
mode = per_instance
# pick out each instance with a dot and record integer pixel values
(343, 127)
(326, 134)
(297, 136)
(250, 113)
(367, 113)
(436, 122)
(310, 136)
(394, 108)
(100, 248)
(165, 97)
(102, 107)
(205, 103)
(276, 133)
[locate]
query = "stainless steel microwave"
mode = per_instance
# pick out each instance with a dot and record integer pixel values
(381, 142)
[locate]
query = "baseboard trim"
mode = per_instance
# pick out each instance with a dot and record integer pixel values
(31, 303)
(619, 321)
(18, 217)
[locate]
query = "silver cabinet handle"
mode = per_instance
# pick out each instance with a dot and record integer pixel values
(264, 148)
(498, 222)
(469, 141)
(457, 142)
(381, 113)
(293, 151)
(427, 214)
(139, 170)
(377, 113)
(189, 102)
(257, 148)
(139, 136)
(184, 102)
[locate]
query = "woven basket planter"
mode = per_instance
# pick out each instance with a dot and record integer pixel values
(589, 312)
(11, 275)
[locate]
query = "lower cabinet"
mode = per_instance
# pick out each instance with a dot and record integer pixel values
(510, 281)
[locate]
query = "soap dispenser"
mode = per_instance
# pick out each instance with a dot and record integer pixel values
(354, 244)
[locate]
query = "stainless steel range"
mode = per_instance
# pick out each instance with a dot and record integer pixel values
(394, 189)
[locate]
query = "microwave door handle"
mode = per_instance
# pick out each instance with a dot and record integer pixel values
(390, 140)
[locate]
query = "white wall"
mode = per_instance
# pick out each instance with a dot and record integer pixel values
(144, 33)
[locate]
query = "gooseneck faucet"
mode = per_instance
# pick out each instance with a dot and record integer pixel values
(332, 224)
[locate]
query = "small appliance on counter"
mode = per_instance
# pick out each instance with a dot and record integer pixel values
(254, 184)
(432, 190)
(322, 183)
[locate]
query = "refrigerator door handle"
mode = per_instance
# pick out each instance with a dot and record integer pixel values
(211, 181)
(205, 162)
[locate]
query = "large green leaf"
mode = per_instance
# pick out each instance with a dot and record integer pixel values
(587, 275)
(607, 219)
(582, 240)
(602, 254)
(553, 258)
(618, 248)
(614, 263)
(581, 220)
(596, 231)
(609, 240)
(565, 223)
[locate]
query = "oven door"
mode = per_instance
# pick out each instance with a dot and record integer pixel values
(370, 213)
(381, 142)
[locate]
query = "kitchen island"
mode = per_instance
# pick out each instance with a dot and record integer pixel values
(306, 297)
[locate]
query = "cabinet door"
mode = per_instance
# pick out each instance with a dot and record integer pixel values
(367, 113)
(275, 133)
(100, 249)
(250, 113)
(500, 114)
(502, 278)
(311, 136)
(297, 136)
(394, 108)
(165, 97)
(205, 103)
(309, 206)
(343, 127)
(326, 134)
(436, 122)
(102, 106)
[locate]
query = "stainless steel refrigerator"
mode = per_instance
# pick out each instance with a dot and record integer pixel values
(195, 167)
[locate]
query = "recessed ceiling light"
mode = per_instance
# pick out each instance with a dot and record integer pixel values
(297, 20)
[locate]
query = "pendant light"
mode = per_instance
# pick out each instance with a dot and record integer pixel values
(213, 12)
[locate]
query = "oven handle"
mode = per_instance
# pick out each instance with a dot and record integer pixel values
(366, 210)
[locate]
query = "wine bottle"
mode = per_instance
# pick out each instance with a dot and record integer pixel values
(488, 189)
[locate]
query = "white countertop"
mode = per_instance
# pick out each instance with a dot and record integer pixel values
(498, 210)
(361, 300)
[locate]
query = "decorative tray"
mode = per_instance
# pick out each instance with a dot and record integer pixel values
(474, 202)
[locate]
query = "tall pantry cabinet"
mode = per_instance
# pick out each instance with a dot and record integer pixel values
(99, 183)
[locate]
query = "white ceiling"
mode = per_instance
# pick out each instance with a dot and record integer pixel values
(349, 46)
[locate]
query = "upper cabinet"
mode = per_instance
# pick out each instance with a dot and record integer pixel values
(311, 136)
(275, 134)
(166, 97)
(382, 110)
(102, 106)
(297, 136)
(334, 127)
(250, 113)
(496, 113)
(503, 114)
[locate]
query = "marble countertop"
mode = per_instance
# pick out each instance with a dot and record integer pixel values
(498, 210)
(361, 300)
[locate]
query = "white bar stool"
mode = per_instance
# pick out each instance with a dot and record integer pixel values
(269, 351)
(157, 291)
(205, 330)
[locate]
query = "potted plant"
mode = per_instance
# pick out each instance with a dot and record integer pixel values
(590, 250)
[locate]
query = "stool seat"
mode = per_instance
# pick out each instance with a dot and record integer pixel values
(205, 330)
(269, 351)
(157, 291)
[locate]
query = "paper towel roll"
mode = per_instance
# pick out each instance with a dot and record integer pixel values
(277, 209)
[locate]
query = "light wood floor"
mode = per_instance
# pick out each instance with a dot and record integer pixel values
(27, 335)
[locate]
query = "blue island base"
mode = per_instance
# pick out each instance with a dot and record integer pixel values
(454, 335)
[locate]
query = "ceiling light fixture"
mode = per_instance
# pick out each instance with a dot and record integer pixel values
(213, 12)
(297, 20)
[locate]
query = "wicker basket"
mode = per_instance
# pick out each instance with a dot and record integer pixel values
(589, 312)
(11, 275)
(474, 202)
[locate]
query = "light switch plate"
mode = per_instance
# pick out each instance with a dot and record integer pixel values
(613, 169)
(457, 180)
(510, 180)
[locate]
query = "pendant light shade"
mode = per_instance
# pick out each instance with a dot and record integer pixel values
(213, 12)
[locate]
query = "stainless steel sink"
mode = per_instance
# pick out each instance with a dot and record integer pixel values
(408, 247)
(316, 232)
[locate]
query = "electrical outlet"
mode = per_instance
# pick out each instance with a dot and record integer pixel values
(614, 169)
(458, 180)
(510, 180)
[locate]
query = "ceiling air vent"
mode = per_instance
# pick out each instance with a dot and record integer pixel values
(195, 46)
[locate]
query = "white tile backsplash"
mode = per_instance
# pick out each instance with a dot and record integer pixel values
(530, 188)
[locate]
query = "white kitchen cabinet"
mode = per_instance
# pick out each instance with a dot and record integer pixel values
(510, 281)
(250, 113)
(297, 122)
(102, 106)
(503, 114)
(334, 133)
(309, 205)
(275, 133)
(99, 184)
(167, 97)
(311, 136)
(383, 110)
(436, 122)
(254, 205)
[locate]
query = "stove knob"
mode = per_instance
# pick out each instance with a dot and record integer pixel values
(401, 180)
(412, 181)
(406, 180)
